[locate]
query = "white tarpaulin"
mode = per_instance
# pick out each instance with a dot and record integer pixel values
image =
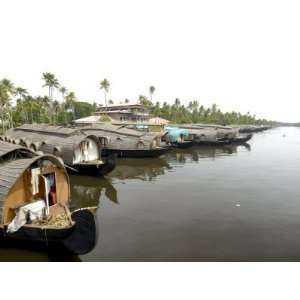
(33, 210)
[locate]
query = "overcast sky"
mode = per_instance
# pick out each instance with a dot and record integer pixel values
(241, 55)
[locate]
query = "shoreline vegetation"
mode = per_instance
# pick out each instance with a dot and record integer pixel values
(17, 107)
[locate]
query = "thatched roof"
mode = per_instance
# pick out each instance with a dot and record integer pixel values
(50, 129)
(7, 148)
(10, 171)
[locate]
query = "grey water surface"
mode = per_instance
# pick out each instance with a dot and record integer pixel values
(232, 203)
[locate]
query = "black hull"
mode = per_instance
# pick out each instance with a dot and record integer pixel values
(95, 170)
(241, 140)
(138, 153)
(183, 145)
(213, 143)
(77, 239)
(38, 234)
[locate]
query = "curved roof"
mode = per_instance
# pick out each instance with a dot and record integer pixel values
(45, 128)
(10, 172)
(6, 148)
(113, 129)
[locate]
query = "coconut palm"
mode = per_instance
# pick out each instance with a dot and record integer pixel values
(51, 82)
(151, 91)
(7, 91)
(63, 90)
(105, 85)
(21, 94)
(70, 102)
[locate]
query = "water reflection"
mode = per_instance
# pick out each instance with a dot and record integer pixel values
(195, 153)
(91, 191)
(86, 191)
(141, 169)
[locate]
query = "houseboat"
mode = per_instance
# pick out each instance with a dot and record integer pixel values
(178, 137)
(252, 128)
(34, 202)
(81, 153)
(204, 135)
(223, 134)
(127, 142)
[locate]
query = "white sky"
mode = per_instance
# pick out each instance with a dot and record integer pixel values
(241, 55)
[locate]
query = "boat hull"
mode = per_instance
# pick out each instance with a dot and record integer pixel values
(95, 169)
(183, 145)
(241, 140)
(138, 153)
(80, 238)
(212, 143)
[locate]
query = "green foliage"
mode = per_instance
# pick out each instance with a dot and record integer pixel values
(194, 113)
(105, 118)
(44, 109)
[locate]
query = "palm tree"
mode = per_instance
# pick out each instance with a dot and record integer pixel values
(70, 101)
(7, 91)
(51, 82)
(126, 100)
(21, 93)
(63, 90)
(8, 85)
(110, 102)
(105, 85)
(151, 91)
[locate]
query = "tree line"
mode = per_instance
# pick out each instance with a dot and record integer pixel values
(17, 107)
(194, 112)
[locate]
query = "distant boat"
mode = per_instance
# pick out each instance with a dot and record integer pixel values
(80, 152)
(34, 202)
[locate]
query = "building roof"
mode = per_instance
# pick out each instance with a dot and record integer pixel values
(122, 106)
(158, 121)
(89, 119)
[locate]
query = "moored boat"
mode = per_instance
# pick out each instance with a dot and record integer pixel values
(241, 138)
(34, 202)
(127, 142)
(205, 135)
(178, 137)
(81, 153)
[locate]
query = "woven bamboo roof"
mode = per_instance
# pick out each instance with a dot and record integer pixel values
(6, 148)
(11, 170)
(45, 128)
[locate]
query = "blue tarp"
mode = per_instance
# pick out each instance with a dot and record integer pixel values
(176, 133)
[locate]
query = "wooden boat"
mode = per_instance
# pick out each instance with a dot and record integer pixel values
(34, 202)
(178, 137)
(241, 139)
(127, 142)
(81, 153)
(205, 136)
(252, 128)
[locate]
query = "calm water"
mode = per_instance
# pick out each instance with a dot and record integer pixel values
(230, 203)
